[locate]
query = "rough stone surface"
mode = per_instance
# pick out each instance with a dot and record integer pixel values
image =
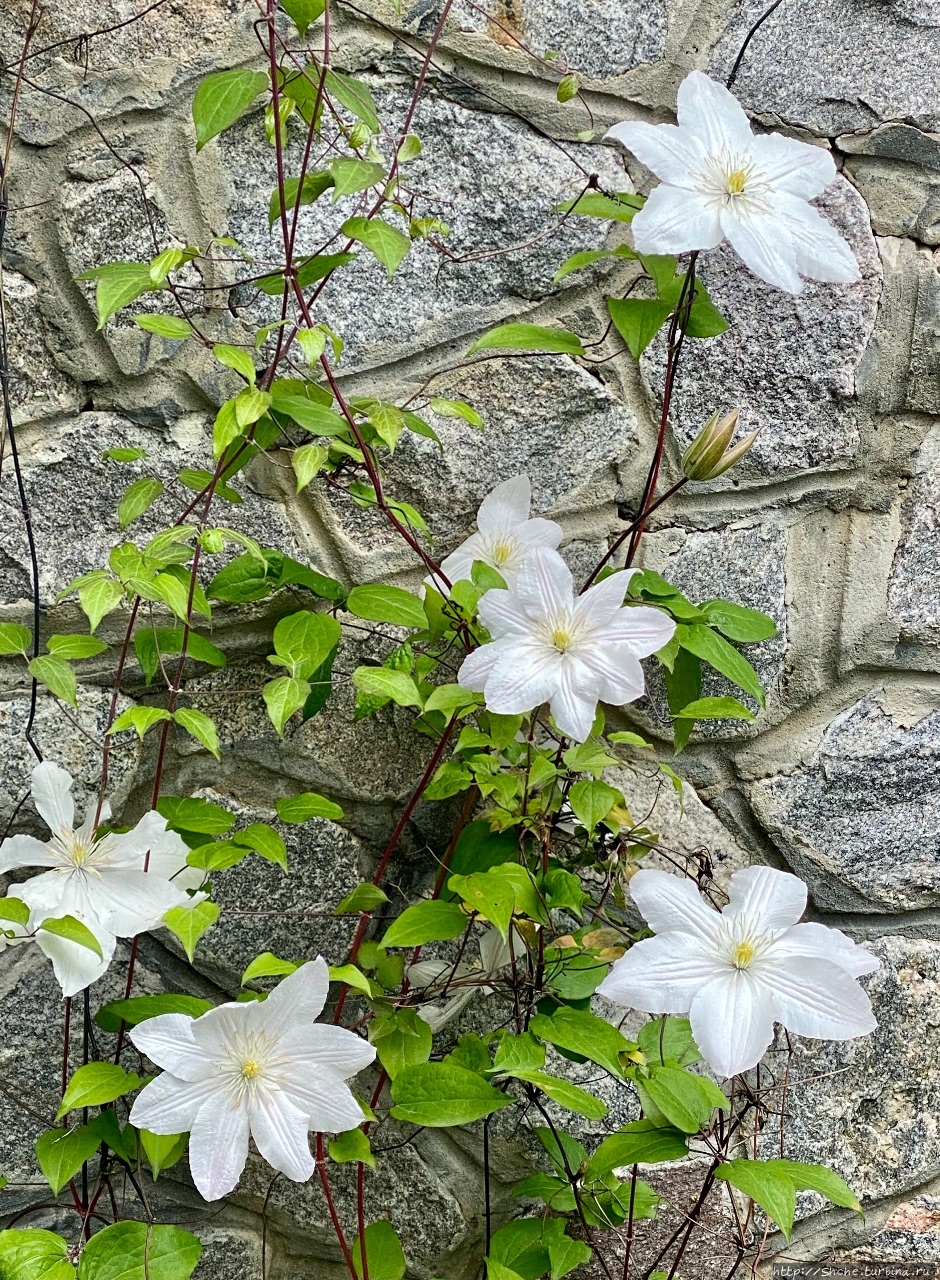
(860, 820)
(904, 199)
(911, 1234)
(842, 67)
(795, 378)
(37, 388)
(914, 584)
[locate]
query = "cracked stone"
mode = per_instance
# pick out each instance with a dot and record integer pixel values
(38, 389)
(914, 583)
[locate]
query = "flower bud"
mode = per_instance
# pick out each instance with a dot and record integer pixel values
(709, 456)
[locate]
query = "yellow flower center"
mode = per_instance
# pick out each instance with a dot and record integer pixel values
(743, 954)
(501, 553)
(736, 181)
(250, 1069)
(561, 639)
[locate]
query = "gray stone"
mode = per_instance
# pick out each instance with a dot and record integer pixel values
(901, 369)
(911, 1234)
(867, 1108)
(229, 1255)
(37, 388)
(914, 584)
(788, 363)
(860, 820)
(601, 40)
(509, 180)
(894, 142)
(841, 67)
(903, 199)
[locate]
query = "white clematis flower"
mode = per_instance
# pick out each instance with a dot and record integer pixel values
(504, 534)
(719, 181)
(550, 645)
(259, 1070)
(437, 978)
(737, 972)
(100, 880)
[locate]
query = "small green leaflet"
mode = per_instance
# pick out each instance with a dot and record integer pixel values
(364, 898)
(714, 649)
(385, 242)
(95, 1084)
(235, 358)
(163, 1150)
(638, 320)
(140, 718)
(34, 1255)
(62, 1152)
(119, 283)
(567, 1095)
(529, 337)
(584, 1033)
(265, 841)
(383, 683)
(188, 924)
(715, 709)
(355, 97)
(110, 1017)
(592, 800)
(222, 98)
(199, 726)
(74, 647)
(137, 498)
(192, 814)
(172, 327)
(351, 175)
(73, 931)
(307, 461)
(14, 638)
(377, 603)
(268, 965)
(384, 1257)
(402, 1039)
(297, 193)
(433, 921)
(136, 1251)
(308, 805)
(642, 1142)
(773, 1185)
(440, 1095)
(303, 12)
(353, 1145)
(57, 676)
(594, 204)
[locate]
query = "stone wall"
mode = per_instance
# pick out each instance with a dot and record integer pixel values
(831, 524)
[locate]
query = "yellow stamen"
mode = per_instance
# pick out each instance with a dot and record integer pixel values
(250, 1069)
(736, 181)
(501, 553)
(742, 955)
(560, 639)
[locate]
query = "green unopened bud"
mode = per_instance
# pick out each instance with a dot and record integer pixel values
(709, 455)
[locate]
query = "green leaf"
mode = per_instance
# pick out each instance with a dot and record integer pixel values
(13, 909)
(440, 1095)
(123, 1142)
(235, 358)
(297, 194)
(307, 805)
(199, 726)
(686, 1100)
(305, 640)
(73, 931)
(75, 646)
(62, 1152)
(355, 97)
(377, 603)
(140, 718)
(119, 283)
(268, 965)
(351, 976)
(99, 596)
(767, 1184)
(489, 894)
(718, 653)
(303, 12)
(642, 1142)
(529, 337)
(384, 1257)
(135, 1251)
(14, 638)
(384, 683)
(737, 622)
(455, 409)
(127, 453)
(111, 1016)
(715, 709)
(583, 1032)
(307, 460)
(57, 676)
(351, 175)
(352, 1146)
(313, 417)
(433, 921)
(249, 405)
(638, 320)
(222, 98)
(387, 243)
(567, 1095)
(163, 1150)
(594, 204)
(668, 1040)
(283, 697)
(95, 1084)
(188, 924)
(402, 1039)
(364, 898)
(566, 1254)
(592, 800)
(816, 1177)
(567, 87)
(265, 841)
(516, 1053)
(166, 327)
(191, 814)
(574, 977)
(34, 1255)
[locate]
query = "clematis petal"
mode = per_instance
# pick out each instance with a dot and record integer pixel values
(76, 967)
(502, 614)
(218, 1145)
(169, 1105)
(763, 242)
(711, 113)
(573, 708)
(538, 533)
(52, 796)
(459, 564)
(523, 677)
(146, 845)
(298, 998)
(326, 1101)
(732, 1019)
(644, 629)
(131, 901)
(342, 1051)
(767, 898)
(829, 944)
(53, 894)
(660, 975)
(675, 155)
(675, 220)
(224, 1025)
(544, 584)
(821, 253)
(815, 997)
(600, 604)
(280, 1132)
(617, 671)
(26, 851)
(168, 1041)
(477, 667)
(505, 506)
(669, 902)
(797, 167)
